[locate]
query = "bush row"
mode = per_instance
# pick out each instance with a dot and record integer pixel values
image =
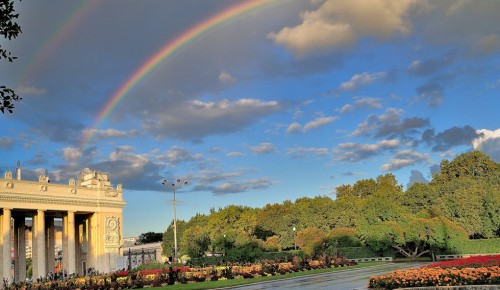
(489, 246)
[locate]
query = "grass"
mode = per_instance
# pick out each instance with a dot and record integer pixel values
(238, 282)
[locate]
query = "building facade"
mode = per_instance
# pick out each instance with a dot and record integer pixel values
(90, 211)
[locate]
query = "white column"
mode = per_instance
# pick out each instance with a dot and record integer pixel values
(71, 263)
(34, 254)
(20, 224)
(6, 238)
(50, 245)
(40, 243)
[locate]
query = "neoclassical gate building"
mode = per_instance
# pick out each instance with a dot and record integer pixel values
(91, 214)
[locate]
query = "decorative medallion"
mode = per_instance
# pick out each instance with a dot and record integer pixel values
(111, 193)
(43, 188)
(73, 190)
(9, 185)
(112, 230)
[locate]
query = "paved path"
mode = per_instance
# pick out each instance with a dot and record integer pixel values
(341, 280)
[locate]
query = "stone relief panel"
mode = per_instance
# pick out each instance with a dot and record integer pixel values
(111, 193)
(112, 231)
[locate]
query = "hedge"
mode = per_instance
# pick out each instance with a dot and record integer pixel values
(363, 252)
(486, 246)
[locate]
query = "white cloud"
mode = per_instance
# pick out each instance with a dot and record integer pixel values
(234, 154)
(107, 133)
(488, 44)
(370, 103)
(197, 119)
(358, 80)
(353, 152)
(30, 91)
(488, 142)
(294, 128)
(319, 122)
(263, 148)
(178, 154)
(300, 152)
(71, 154)
(338, 24)
(226, 78)
(6, 143)
(405, 158)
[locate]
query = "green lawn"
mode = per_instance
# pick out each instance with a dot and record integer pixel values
(234, 282)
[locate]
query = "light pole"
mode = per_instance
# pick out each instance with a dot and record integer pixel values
(294, 240)
(173, 186)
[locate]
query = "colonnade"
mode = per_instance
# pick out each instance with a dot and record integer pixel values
(75, 233)
(90, 210)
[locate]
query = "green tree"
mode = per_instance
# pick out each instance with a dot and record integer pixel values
(343, 237)
(168, 242)
(311, 240)
(150, 237)
(9, 29)
(195, 241)
(272, 244)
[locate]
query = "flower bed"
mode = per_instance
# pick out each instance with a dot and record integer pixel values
(478, 270)
(471, 262)
(176, 275)
(433, 276)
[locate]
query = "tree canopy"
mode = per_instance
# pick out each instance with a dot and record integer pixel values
(461, 201)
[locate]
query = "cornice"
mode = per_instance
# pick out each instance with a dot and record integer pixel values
(45, 199)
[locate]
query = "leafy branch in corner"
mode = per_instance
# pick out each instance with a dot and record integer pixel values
(9, 29)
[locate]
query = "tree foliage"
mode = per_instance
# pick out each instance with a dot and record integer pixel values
(9, 29)
(463, 200)
(150, 237)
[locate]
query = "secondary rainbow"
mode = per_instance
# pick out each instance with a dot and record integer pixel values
(168, 50)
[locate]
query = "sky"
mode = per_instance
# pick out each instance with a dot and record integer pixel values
(251, 102)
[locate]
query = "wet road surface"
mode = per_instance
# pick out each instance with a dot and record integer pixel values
(341, 280)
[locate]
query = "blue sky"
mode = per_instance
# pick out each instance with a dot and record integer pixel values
(283, 102)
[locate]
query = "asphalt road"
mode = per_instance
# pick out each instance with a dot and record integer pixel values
(340, 280)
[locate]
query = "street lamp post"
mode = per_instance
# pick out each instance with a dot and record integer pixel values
(173, 186)
(294, 240)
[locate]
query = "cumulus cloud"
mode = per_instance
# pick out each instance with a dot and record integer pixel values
(428, 67)
(226, 78)
(389, 124)
(234, 154)
(294, 128)
(176, 155)
(319, 122)
(354, 152)
(300, 152)
(263, 148)
(30, 91)
(107, 133)
(416, 176)
(488, 142)
(432, 93)
(134, 171)
(488, 44)
(358, 80)
(316, 123)
(339, 24)
(405, 158)
(198, 119)
(229, 183)
(369, 103)
(449, 138)
(6, 143)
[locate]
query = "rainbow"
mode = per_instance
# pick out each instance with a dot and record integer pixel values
(166, 52)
